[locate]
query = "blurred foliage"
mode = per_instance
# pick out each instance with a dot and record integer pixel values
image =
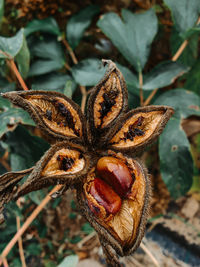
(141, 40)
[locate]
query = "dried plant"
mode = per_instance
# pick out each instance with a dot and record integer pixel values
(95, 156)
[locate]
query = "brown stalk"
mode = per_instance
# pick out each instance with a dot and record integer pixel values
(20, 243)
(75, 61)
(141, 91)
(174, 58)
(28, 221)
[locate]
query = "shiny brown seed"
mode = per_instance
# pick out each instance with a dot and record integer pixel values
(116, 174)
(105, 196)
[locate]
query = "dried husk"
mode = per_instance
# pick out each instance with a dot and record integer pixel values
(50, 111)
(114, 86)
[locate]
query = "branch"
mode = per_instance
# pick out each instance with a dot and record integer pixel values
(28, 221)
(75, 61)
(174, 58)
(141, 91)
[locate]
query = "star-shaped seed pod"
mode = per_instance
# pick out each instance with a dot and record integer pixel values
(96, 156)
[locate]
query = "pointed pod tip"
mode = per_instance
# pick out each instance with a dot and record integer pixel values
(108, 62)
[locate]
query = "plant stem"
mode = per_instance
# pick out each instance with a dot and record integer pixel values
(174, 58)
(17, 74)
(75, 61)
(28, 221)
(141, 90)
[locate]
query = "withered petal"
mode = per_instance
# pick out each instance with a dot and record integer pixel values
(125, 229)
(8, 181)
(107, 102)
(138, 128)
(64, 163)
(56, 114)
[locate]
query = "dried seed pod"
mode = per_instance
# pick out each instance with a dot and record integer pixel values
(8, 181)
(116, 174)
(138, 128)
(55, 114)
(63, 163)
(107, 102)
(124, 229)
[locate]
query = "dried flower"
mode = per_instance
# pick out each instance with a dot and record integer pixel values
(95, 155)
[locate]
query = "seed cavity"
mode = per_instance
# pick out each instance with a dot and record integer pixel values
(65, 162)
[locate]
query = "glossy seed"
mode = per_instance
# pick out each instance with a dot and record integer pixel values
(105, 196)
(116, 174)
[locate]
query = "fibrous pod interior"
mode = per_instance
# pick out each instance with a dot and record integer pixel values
(126, 224)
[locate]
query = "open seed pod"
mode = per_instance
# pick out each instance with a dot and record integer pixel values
(115, 200)
(112, 186)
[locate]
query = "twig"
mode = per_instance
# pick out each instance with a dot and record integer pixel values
(141, 91)
(148, 252)
(5, 263)
(72, 55)
(75, 61)
(20, 243)
(85, 239)
(18, 75)
(174, 58)
(28, 221)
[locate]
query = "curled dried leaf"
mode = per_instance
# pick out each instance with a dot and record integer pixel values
(54, 113)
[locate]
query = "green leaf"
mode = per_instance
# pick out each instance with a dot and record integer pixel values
(185, 14)
(87, 228)
(53, 82)
(130, 78)
(130, 34)
(23, 59)
(42, 66)
(193, 78)
(190, 53)
(10, 117)
(12, 45)
(44, 25)
(1, 11)
(25, 149)
(69, 261)
(5, 86)
(163, 75)
(50, 54)
(176, 162)
(88, 72)
(78, 23)
(184, 102)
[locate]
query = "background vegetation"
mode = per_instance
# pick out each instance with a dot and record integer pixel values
(58, 46)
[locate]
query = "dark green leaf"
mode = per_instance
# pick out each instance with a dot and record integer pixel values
(45, 25)
(190, 53)
(87, 228)
(88, 72)
(54, 82)
(1, 11)
(176, 162)
(184, 102)
(12, 45)
(164, 74)
(193, 78)
(43, 66)
(131, 35)
(25, 149)
(5, 86)
(129, 76)
(23, 59)
(185, 13)
(78, 23)
(10, 117)
(51, 56)
(69, 261)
